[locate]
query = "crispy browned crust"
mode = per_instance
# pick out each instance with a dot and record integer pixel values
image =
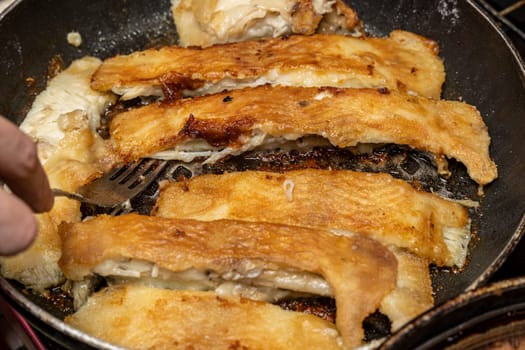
(304, 18)
(139, 317)
(376, 205)
(360, 271)
(404, 61)
(348, 14)
(345, 117)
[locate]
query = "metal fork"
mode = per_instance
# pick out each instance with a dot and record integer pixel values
(119, 185)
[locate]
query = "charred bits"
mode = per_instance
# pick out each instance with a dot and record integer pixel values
(304, 103)
(216, 133)
(54, 67)
(173, 84)
(370, 69)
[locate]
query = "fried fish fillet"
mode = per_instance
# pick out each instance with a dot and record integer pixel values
(138, 317)
(233, 122)
(359, 271)
(376, 205)
(403, 61)
(208, 22)
(413, 294)
(37, 267)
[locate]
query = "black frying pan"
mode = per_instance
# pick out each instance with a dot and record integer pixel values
(482, 69)
(471, 321)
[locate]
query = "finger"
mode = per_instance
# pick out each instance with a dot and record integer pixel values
(20, 168)
(18, 225)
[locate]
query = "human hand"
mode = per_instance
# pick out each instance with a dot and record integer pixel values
(21, 170)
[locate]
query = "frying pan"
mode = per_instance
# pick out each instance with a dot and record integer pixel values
(470, 321)
(482, 68)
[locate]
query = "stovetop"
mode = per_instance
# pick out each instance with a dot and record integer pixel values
(509, 14)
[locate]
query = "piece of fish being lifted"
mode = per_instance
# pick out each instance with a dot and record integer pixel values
(404, 61)
(230, 123)
(358, 272)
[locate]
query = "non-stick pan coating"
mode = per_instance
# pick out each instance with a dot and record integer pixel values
(482, 69)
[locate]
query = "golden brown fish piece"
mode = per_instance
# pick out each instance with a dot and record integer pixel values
(139, 317)
(404, 61)
(376, 205)
(208, 22)
(359, 271)
(37, 267)
(237, 121)
(413, 294)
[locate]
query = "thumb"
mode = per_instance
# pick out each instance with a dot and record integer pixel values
(18, 224)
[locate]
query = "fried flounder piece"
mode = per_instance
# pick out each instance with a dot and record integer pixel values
(241, 120)
(376, 205)
(403, 61)
(359, 271)
(37, 266)
(413, 294)
(138, 317)
(208, 22)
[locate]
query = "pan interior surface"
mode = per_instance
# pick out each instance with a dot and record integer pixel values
(482, 69)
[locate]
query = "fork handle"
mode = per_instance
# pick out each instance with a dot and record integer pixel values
(70, 195)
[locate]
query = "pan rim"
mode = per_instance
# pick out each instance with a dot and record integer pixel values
(455, 306)
(26, 305)
(7, 6)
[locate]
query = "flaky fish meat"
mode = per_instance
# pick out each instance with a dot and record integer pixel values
(404, 61)
(139, 317)
(208, 22)
(230, 123)
(357, 271)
